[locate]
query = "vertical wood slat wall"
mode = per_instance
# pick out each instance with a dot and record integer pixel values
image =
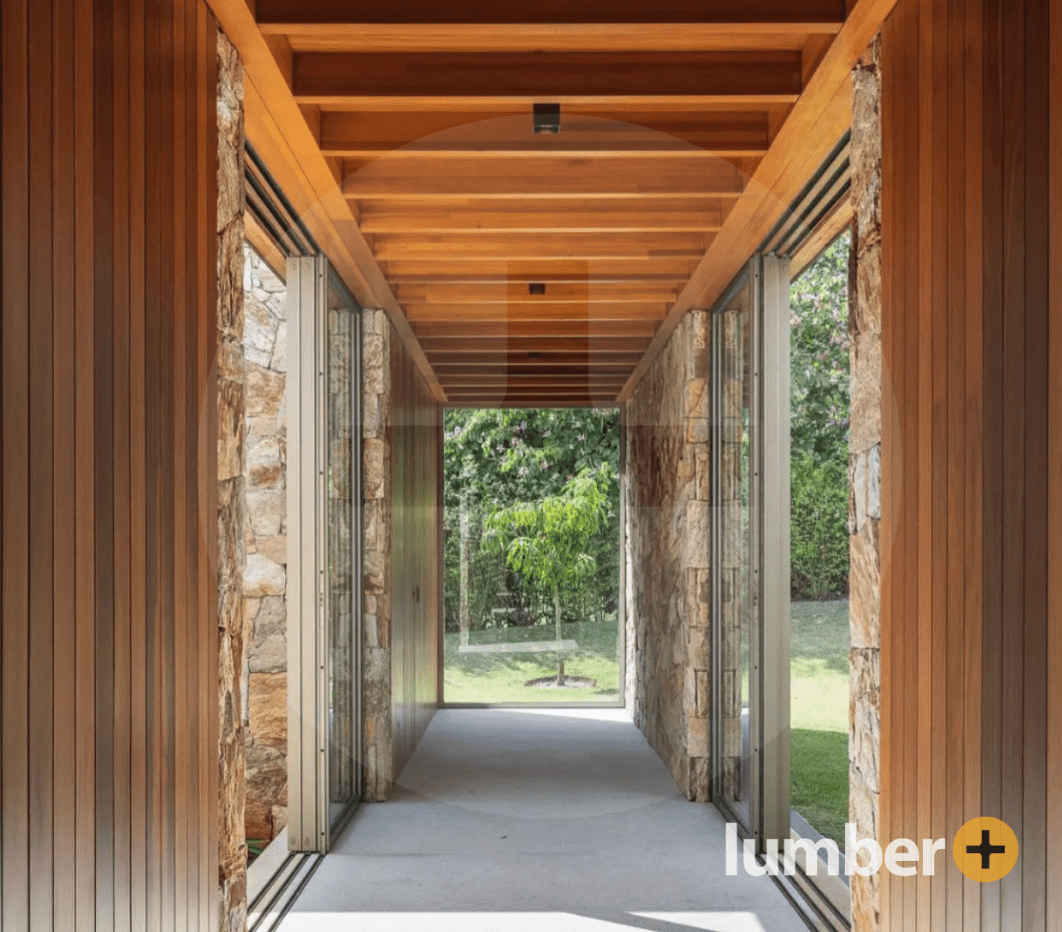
(972, 482)
(109, 734)
(416, 435)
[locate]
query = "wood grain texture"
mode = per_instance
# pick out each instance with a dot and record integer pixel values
(104, 599)
(968, 335)
(335, 14)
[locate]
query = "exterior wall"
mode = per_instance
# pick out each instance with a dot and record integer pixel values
(971, 465)
(402, 430)
(864, 511)
(232, 492)
(119, 375)
(667, 513)
(265, 581)
(376, 618)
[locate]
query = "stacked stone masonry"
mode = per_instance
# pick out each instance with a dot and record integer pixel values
(667, 512)
(265, 577)
(232, 495)
(865, 477)
(376, 483)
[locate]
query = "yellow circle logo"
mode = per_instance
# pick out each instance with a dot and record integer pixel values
(985, 849)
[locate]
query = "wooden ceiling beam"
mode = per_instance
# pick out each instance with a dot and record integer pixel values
(535, 401)
(545, 216)
(595, 345)
(535, 246)
(517, 293)
(803, 142)
(460, 330)
(331, 15)
(651, 270)
(472, 380)
(280, 134)
(506, 78)
(557, 37)
(518, 313)
(440, 133)
(509, 360)
(458, 179)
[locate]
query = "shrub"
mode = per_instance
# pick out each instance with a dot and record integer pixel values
(819, 528)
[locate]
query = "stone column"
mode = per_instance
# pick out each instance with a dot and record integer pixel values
(733, 554)
(864, 469)
(667, 513)
(265, 577)
(376, 481)
(232, 853)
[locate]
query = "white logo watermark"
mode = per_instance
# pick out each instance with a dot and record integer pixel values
(900, 857)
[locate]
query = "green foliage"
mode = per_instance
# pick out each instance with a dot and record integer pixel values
(819, 425)
(548, 540)
(819, 528)
(496, 459)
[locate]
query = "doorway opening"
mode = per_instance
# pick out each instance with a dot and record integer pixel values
(532, 556)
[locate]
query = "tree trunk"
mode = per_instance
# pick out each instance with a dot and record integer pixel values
(464, 615)
(557, 612)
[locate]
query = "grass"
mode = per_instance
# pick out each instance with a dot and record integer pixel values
(473, 677)
(818, 701)
(819, 715)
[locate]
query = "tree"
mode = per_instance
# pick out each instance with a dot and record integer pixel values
(497, 458)
(819, 425)
(547, 540)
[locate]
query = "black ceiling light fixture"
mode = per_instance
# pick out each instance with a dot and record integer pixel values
(547, 118)
(536, 287)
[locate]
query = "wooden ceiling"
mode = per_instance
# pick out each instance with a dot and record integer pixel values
(527, 268)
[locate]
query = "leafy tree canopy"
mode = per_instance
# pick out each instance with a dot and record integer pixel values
(818, 303)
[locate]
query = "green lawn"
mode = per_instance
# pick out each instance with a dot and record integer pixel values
(818, 704)
(819, 715)
(500, 677)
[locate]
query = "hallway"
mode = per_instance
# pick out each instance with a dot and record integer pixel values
(514, 819)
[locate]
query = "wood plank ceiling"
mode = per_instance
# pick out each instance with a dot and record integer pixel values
(528, 268)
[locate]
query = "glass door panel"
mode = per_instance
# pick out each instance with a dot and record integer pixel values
(324, 553)
(736, 748)
(343, 560)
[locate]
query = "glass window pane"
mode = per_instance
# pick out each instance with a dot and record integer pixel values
(735, 600)
(819, 547)
(532, 601)
(342, 585)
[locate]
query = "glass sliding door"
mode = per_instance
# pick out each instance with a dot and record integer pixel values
(750, 559)
(736, 591)
(324, 570)
(343, 559)
(780, 709)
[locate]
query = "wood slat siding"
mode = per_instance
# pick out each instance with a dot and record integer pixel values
(416, 438)
(107, 467)
(971, 482)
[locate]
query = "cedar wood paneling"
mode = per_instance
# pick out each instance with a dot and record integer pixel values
(416, 435)
(109, 732)
(972, 486)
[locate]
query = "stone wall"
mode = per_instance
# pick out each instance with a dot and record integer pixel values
(864, 324)
(376, 483)
(232, 849)
(667, 512)
(265, 581)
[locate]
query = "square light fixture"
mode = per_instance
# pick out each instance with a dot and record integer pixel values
(547, 118)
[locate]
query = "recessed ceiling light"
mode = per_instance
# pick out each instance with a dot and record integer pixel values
(546, 118)
(536, 287)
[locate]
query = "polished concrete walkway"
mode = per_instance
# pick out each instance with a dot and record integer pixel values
(514, 820)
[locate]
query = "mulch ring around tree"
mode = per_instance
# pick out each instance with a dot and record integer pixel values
(570, 682)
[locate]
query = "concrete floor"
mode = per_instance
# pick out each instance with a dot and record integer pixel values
(513, 820)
